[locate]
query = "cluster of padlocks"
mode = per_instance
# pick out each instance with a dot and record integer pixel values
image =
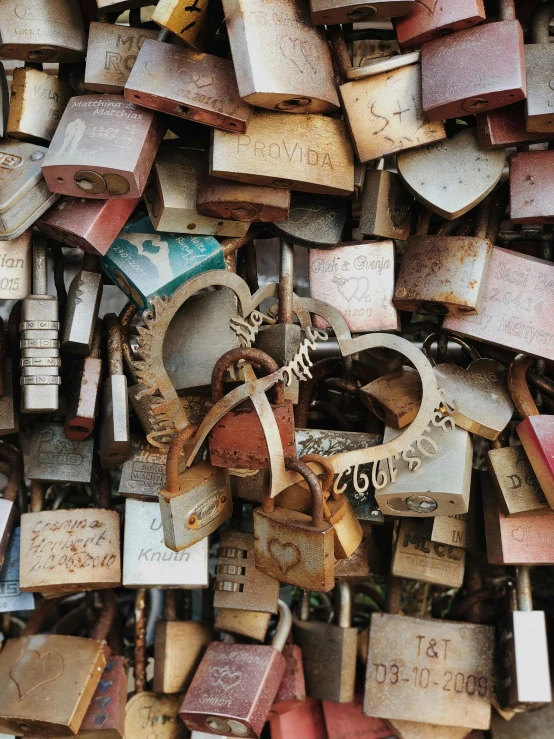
(304, 506)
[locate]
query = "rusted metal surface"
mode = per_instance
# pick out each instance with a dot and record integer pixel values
(241, 202)
(431, 20)
(531, 174)
(326, 12)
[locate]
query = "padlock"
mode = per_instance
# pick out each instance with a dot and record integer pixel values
(64, 551)
(314, 221)
(467, 73)
(193, 23)
(444, 275)
(143, 473)
(106, 713)
(282, 340)
(16, 260)
(83, 303)
(476, 398)
(171, 195)
(326, 644)
(311, 153)
(305, 721)
(451, 160)
(529, 177)
(523, 682)
(292, 691)
(273, 72)
(344, 718)
(115, 441)
(8, 511)
(90, 225)
(196, 87)
(195, 503)
(408, 655)
(453, 530)
(147, 562)
(424, 488)
(516, 300)
(11, 597)
(37, 102)
(24, 194)
(394, 397)
(237, 441)
(112, 52)
(354, 569)
(104, 147)
(430, 20)
(293, 547)
(416, 557)
(514, 726)
(386, 207)
(519, 492)
(538, 58)
(49, 31)
(251, 624)
(82, 404)
(382, 123)
(144, 265)
(39, 330)
(515, 540)
(178, 647)
(55, 458)
(245, 678)
(358, 280)
(149, 714)
(239, 585)
(236, 201)
(326, 12)
(503, 127)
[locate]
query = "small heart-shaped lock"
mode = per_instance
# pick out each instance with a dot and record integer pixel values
(451, 176)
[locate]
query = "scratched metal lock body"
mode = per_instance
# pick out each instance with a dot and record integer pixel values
(54, 458)
(449, 663)
(311, 153)
(197, 87)
(282, 61)
(394, 398)
(90, 225)
(143, 473)
(83, 303)
(111, 54)
(11, 597)
(385, 113)
(328, 12)
(37, 102)
(358, 280)
(386, 208)
(193, 23)
(67, 551)
(45, 31)
(431, 20)
(16, 261)
(529, 176)
(219, 198)
(104, 147)
(24, 193)
(314, 221)
(519, 492)
(538, 61)
(503, 127)
(147, 562)
(171, 196)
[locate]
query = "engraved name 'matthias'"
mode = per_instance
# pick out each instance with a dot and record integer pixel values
(291, 151)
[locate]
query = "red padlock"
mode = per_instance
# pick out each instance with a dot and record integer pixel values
(237, 441)
(347, 719)
(467, 72)
(292, 691)
(431, 19)
(305, 722)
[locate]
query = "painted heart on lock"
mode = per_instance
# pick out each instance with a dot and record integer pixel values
(451, 176)
(480, 395)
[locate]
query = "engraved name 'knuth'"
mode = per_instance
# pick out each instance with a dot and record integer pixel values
(281, 150)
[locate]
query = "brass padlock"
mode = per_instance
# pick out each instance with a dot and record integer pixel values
(219, 198)
(104, 147)
(192, 23)
(47, 31)
(37, 102)
(386, 207)
(251, 624)
(394, 397)
(518, 489)
(328, 13)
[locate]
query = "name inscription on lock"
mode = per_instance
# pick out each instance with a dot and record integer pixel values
(70, 550)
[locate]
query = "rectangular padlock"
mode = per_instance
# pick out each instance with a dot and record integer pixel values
(219, 198)
(518, 489)
(194, 22)
(16, 261)
(530, 182)
(143, 473)
(11, 597)
(504, 127)
(310, 153)
(333, 12)
(54, 458)
(430, 20)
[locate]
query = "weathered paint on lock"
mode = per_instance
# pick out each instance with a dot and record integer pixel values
(106, 712)
(431, 19)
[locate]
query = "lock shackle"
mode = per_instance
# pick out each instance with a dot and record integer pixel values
(104, 488)
(284, 627)
(40, 264)
(170, 605)
(430, 340)
(540, 32)
(507, 10)
(315, 489)
(328, 473)
(172, 463)
(95, 346)
(115, 344)
(105, 620)
(254, 356)
(13, 457)
(231, 245)
(38, 495)
(345, 605)
(140, 641)
(128, 312)
(394, 594)
(305, 606)
(134, 18)
(286, 281)
(39, 616)
(518, 387)
(523, 587)
(499, 204)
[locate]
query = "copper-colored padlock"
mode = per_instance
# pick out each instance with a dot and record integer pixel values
(531, 175)
(239, 201)
(331, 12)
(503, 127)
(431, 20)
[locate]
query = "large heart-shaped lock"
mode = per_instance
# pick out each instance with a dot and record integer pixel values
(451, 176)
(479, 395)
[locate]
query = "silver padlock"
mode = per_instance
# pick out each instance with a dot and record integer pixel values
(83, 302)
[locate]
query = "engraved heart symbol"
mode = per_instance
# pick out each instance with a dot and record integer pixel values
(451, 176)
(480, 393)
(287, 556)
(518, 534)
(100, 719)
(103, 702)
(224, 678)
(429, 5)
(353, 288)
(105, 685)
(299, 51)
(201, 81)
(32, 670)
